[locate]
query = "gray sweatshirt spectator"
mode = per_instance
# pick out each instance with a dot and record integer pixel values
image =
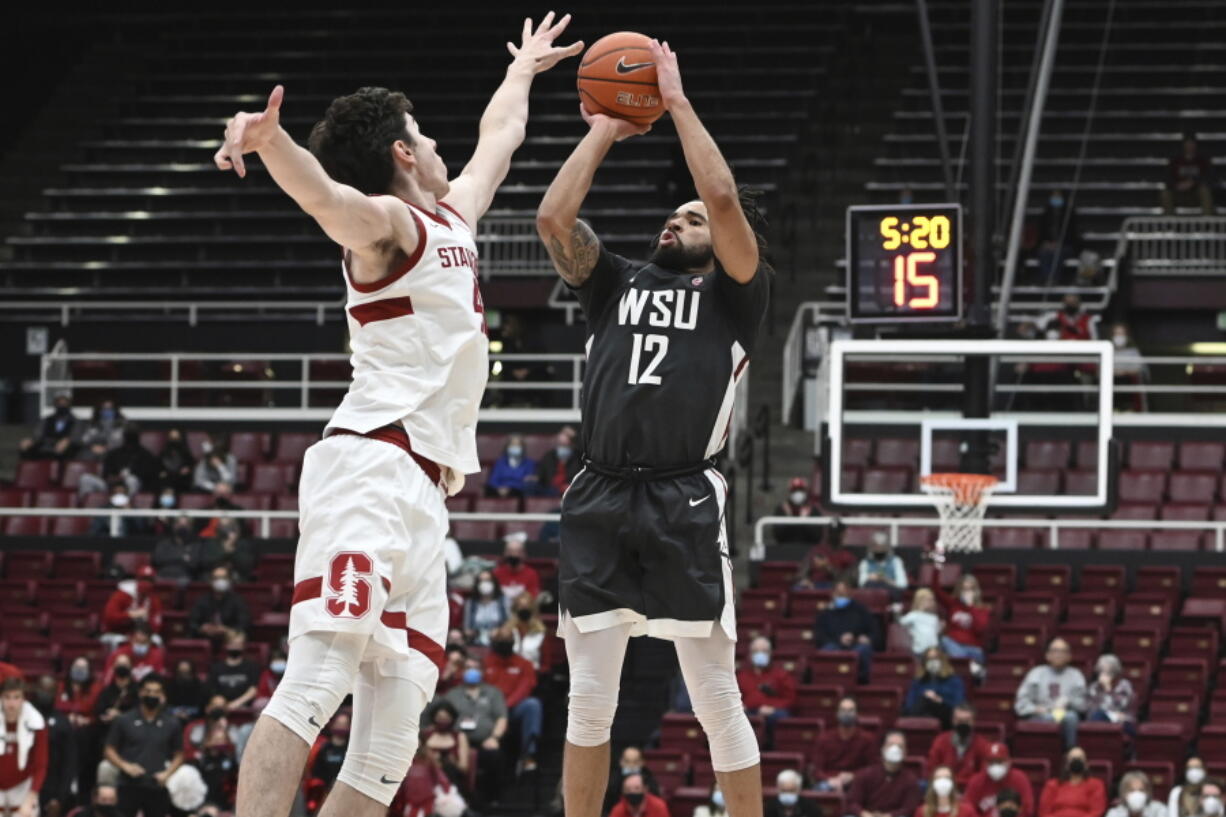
(217, 466)
(1054, 692)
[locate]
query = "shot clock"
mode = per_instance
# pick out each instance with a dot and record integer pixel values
(904, 262)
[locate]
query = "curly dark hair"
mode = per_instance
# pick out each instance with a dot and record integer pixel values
(352, 140)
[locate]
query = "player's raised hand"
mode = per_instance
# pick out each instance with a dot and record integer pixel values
(668, 75)
(622, 128)
(536, 48)
(249, 132)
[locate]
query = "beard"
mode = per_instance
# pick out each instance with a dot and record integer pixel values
(678, 257)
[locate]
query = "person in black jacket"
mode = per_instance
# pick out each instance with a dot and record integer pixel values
(847, 625)
(132, 461)
(221, 614)
(55, 797)
(56, 434)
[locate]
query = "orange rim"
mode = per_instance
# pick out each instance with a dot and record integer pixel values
(967, 489)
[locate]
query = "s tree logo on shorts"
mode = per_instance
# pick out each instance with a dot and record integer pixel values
(349, 593)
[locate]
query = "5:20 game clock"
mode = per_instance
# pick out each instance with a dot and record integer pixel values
(904, 262)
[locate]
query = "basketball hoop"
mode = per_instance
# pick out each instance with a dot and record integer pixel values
(961, 500)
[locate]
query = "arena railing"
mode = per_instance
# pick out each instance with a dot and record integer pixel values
(1052, 526)
(68, 310)
(297, 385)
(1173, 245)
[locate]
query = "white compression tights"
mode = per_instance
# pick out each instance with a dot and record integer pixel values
(707, 664)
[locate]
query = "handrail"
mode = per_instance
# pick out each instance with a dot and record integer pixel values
(69, 308)
(1173, 245)
(793, 353)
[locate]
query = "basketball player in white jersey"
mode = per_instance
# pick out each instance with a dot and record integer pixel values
(369, 613)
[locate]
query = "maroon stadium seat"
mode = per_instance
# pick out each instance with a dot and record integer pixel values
(1038, 605)
(897, 453)
(895, 669)
(1208, 581)
(1122, 540)
(1085, 454)
(763, 603)
(54, 499)
(1177, 709)
(291, 445)
(1025, 638)
(1048, 577)
(195, 502)
(1142, 486)
(197, 650)
(1212, 743)
(792, 634)
(1151, 455)
(1107, 579)
(1148, 609)
(1184, 512)
(1194, 642)
(861, 535)
(283, 529)
(807, 603)
(249, 446)
(1016, 538)
(460, 503)
(27, 564)
(129, 561)
(1162, 580)
(1161, 742)
(464, 529)
(69, 526)
(1039, 740)
(60, 592)
(670, 767)
(486, 504)
(1080, 482)
(883, 480)
(1084, 639)
(1137, 641)
(817, 700)
(1032, 481)
(1037, 771)
(77, 564)
(490, 447)
(1198, 487)
(1095, 607)
(775, 762)
(920, 732)
(687, 798)
(14, 498)
(535, 445)
(683, 733)
(1206, 611)
(1191, 674)
(796, 734)
(1176, 540)
(1048, 454)
(881, 702)
(36, 475)
(71, 623)
(776, 575)
(1102, 741)
(269, 478)
(996, 580)
(1202, 456)
(834, 667)
(1136, 510)
(858, 451)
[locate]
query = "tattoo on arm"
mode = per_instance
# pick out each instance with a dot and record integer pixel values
(575, 259)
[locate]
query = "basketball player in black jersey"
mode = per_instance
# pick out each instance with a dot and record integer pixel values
(643, 545)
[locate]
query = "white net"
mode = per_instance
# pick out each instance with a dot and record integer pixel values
(961, 500)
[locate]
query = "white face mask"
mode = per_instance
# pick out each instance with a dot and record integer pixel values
(485, 588)
(968, 597)
(933, 667)
(943, 786)
(892, 753)
(1120, 341)
(1211, 805)
(1194, 775)
(997, 771)
(797, 497)
(1136, 800)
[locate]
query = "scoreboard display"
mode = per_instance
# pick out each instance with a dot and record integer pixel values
(904, 263)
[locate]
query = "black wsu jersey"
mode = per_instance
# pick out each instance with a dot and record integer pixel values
(664, 352)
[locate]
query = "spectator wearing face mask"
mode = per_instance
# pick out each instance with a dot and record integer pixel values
(227, 545)
(222, 613)
(485, 610)
(23, 764)
(1210, 799)
(558, 466)
(985, 789)
(967, 619)
(331, 755)
(936, 690)
(120, 498)
(882, 568)
(197, 731)
(235, 677)
(144, 656)
(215, 467)
(527, 628)
(270, 678)
(103, 433)
(1130, 368)
(218, 765)
(132, 601)
(447, 744)
(847, 625)
(787, 801)
(1009, 803)
(1110, 698)
(767, 689)
(825, 561)
(452, 672)
(960, 748)
(185, 691)
(177, 555)
(513, 473)
(515, 677)
(1059, 239)
(842, 751)
(887, 787)
(177, 463)
(1185, 797)
(1074, 793)
(104, 803)
(57, 435)
(513, 575)
(715, 806)
(1054, 692)
(798, 504)
(145, 744)
(131, 462)
(942, 798)
(921, 622)
(167, 500)
(630, 762)
(77, 692)
(636, 801)
(1136, 798)
(482, 711)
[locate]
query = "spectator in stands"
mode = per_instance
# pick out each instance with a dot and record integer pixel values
(936, 690)
(177, 463)
(227, 545)
(1130, 369)
(1054, 692)
(847, 625)
(222, 613)
(214, 467)
(144, 656)
(1073, 322)
(513, 473)
(77, 693)
(515, 677)
(482, 714)
(882, 567)
(130, 462)
(967, 619)
(767, 689)
(452, 672)
(270, 677)
(630, 762)
(1110, 697)
(132, 601)
(715, 805)
(119, 694)
(636, 801)
(447, 743)
(23, 768)
(486, 610)
(513, 575)
(960, 748)
(1074, 793)
(987, 789)
(331, 755)
(842, 751)
(1210, 798)
(166, 501)
(787, 801)
(223, 502)
(197, 731)
(825, 562)
(235, 677)
(921, 622)
(177, 555)
(885, 788)
(797, 504)
(104, 803)
(218, 767)
(558, 466)
(103, 432)
(942, 798)
(145, 744)
(527, 628)
(184, 691)
(120, 497)
(1185, 798)
(1059, 239)
(1136, 798)
(1189, 179)
(56, 436)
(426, 790)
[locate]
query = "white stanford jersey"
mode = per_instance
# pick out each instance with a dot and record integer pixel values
(420, 351)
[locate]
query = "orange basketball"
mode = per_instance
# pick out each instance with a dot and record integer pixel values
(617, 77)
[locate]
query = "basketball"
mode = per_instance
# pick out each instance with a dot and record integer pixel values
(617, 77)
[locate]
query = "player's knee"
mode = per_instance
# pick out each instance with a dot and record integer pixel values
(377, 771)
(718, 707)
(591, 709)
(319, 674)
(304, 708)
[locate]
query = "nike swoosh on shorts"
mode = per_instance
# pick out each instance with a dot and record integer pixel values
(696, 502)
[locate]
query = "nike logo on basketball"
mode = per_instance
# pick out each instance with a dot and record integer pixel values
(696, 502)
(622, 68)
(383, 779)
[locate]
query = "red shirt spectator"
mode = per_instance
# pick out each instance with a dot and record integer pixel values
(651, 806)
(24, 755)
(517, 578)
(152, 660)
(965, 623)
(512, 674)
(131, 601)
(1065, 798)
(843, 749)
(825, 563)
(982, 789)
(877, 789)
(973, 758)
(771, 686)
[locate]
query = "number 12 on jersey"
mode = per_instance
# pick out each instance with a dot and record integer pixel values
(645, 344)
